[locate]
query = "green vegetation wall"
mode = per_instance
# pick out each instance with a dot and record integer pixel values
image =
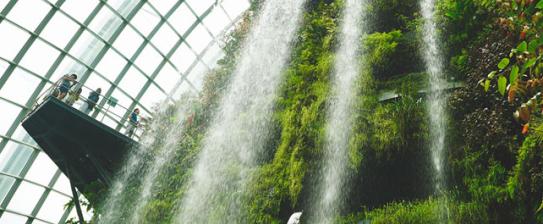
(494, 170)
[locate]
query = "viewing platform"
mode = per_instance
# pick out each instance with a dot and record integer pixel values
(84, 148)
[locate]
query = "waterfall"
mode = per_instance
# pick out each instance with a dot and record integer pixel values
(436, 99)
(237, 136)
(331, 193)
(161, 131)
(164, 154)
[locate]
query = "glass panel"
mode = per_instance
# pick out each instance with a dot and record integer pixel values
(93, 83)
(110, 120)
(163, 6)
(3, 4)
(105, 23)
(87, 47)
(200, 6)
(11, 218)
(20, 86)
(3, 66)
(53, 207)
(21, 135)
(148, 60)
(132, 82)
(80, 10)
(128, 42)
(35, 221)
(73, 215)
(184, 88)
(68, 66)
(235, 7)
(165, 39)
(40, 57)
(124, 103)
(216, 21)
(44, 93)
(183, 58)
(63, 185)
(196, 76)
(13, 40)
(199, 39)
(111, 65)
(42, 170)
(14, 158)
(59, 30)
(167, 78)
(152, 97)
(182, 19)
(213, 54)
(29, 13)
(9, 113)
(5, 184)
(146, 20)
(123, 7)
(25, 198)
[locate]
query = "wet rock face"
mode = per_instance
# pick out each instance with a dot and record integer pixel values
(485, 56)
(485, 118)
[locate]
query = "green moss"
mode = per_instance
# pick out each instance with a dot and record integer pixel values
(490, 178)
(421, 212)
(300, 116)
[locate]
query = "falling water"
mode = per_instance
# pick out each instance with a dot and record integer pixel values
(136, 165)
(238, 133)
(436, 100)
(340, 119)
(164, 155)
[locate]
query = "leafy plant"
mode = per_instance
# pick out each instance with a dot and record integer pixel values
(520, 74)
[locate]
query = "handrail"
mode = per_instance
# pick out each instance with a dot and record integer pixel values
(104, 111)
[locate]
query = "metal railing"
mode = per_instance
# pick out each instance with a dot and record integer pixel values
(111, 114)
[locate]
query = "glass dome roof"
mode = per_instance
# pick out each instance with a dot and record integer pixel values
(139, 52)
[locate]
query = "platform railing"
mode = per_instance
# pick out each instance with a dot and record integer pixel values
(111, 113)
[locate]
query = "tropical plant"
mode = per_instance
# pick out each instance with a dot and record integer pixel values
(520, 74)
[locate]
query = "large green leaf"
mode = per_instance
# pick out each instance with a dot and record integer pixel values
(514, 74)
(487, 85)
(532, 46)
(530, 63)
(522, 47)
(502, 84)
(503, 63)
(540, 4)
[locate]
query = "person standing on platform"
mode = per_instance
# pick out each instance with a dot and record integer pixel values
(133, 122)
(92, 100)
(65, 85)
(73, 96)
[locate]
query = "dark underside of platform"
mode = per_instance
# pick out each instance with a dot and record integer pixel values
(85, 149)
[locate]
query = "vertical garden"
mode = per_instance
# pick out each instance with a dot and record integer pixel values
(493, 161)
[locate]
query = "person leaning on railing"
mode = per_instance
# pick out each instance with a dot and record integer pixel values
(66, 84)
(92, 100)
(133, 122)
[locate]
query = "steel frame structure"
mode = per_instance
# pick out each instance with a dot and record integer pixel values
(114, 32)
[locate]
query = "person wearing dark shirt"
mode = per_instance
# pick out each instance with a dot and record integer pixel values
(133, 122)
(66, 84)
(92, 100)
